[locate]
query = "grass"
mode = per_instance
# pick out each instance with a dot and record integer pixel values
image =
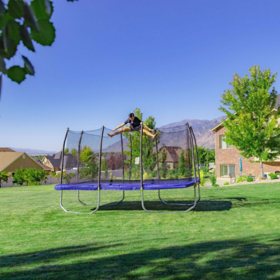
(233, 234)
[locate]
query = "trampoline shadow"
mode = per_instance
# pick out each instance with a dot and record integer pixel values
(205, 206)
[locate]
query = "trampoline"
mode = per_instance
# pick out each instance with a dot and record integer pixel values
(93, 161)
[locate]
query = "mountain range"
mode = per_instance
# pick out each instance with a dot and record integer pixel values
(202, 130)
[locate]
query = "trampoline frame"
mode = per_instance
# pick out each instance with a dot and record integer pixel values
(195, 165)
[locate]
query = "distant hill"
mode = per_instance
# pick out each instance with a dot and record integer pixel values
(201, 128)
(33, 152)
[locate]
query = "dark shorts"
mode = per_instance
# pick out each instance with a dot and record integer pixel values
(136, 128)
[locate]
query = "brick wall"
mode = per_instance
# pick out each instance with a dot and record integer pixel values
(232, 156)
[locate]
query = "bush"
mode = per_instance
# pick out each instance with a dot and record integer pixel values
(202, 178)
(68, 177)
(147, 176)
(213, 181)
(250, 179)
(3, 177)
(172, 174)
(28, 176)
(226, 183)
(241, 179)
(273, 176)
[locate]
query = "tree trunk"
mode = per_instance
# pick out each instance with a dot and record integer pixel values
(262, 172)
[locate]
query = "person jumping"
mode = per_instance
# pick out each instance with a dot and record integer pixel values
(134, 125)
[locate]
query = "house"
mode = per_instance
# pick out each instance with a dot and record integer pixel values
(54, 162)
(172, 155)
(6, 149)
(230, 164)
(11, 161)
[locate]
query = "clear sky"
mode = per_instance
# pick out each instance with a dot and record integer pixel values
(171, 58)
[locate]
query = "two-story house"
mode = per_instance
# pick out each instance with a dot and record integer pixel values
(230, 164)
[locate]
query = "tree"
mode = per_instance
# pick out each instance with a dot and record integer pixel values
(23, 22)
(89, 165)
(182, 168)
(3, 177)
(206, 156)
(149, 156)
(252, 118)
(163, 164)
(28, 176)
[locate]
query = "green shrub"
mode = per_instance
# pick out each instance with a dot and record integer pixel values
(68, 177)
(3, 177)
(241, 179)
(273, 176)
(226, 183)
(172, 174)
(28, 176)
(202, 178)
(213, 181)
(250, 179)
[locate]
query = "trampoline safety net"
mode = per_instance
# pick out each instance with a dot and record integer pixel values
(93, 156)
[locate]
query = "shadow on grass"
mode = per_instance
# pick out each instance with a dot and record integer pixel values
(56, 253)
(230, 259)
(205, 205)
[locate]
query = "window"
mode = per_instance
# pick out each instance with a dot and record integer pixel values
(227, 170)
(223, 143)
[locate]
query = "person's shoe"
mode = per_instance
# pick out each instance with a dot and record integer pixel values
(111, 134)
(155, 134)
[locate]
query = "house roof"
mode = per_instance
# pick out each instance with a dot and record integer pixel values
(172, 153)
(69, 160)
(7, 158)
(217, 127)
(54, 161)
(6, 149)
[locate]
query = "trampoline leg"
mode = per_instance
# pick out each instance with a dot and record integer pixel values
(98, 203)
(120, 201)
(61, 202)
(75, 212)
(191, 206)
(171, 203)
(80, 200)
(62, 206)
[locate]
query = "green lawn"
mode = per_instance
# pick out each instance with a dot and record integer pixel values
(233, 234)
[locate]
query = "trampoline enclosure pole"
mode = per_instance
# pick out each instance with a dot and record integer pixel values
(197, 163)
(62, 156)
(130, 161)
(141, 157)
(122, 157)
(157, 159)
(79, 154)
(100, 157)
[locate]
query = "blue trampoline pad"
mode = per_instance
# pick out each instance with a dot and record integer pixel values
(129, 186)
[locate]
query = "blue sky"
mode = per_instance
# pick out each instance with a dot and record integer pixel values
(171, 58)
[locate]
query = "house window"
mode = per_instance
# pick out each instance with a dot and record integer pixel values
(227, 170)
(223, 143)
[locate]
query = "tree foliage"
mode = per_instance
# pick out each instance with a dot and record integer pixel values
(206, 156)
(149, 156)
(28, 176)
(89, 164)
(22, 25)
(252, 117)
(3, 177)
(163, 163)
